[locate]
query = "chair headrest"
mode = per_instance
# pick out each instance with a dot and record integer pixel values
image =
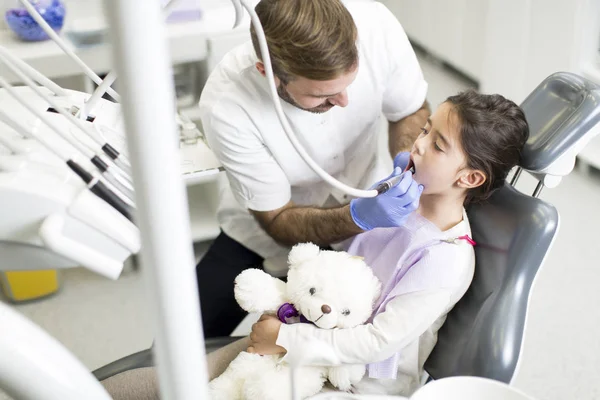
(562, 112)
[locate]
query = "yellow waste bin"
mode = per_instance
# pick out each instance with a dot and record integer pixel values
(28, 285)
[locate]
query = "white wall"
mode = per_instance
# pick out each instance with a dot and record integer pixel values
(449, 29)
(527, 40)
(508, 46)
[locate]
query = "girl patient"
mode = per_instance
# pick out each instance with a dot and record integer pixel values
(463, 154)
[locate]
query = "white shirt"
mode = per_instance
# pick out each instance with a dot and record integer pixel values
(422, 277)
(263, 168)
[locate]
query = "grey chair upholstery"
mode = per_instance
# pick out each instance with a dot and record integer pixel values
(483, 334)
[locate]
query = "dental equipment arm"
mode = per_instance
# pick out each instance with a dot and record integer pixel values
(403, 133)
(50, 32)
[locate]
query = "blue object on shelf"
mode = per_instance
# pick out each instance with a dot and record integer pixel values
(23, 24)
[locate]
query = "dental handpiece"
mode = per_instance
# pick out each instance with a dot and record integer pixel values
(389, 183)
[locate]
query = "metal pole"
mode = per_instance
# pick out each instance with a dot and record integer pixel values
(538, 189)
(143, 63)
(516, 176)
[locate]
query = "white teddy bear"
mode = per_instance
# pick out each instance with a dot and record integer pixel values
(329, 289)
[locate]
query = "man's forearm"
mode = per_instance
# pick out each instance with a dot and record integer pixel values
(403, 133)
(319, 226)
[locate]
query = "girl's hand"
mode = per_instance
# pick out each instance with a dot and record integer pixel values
(264, 336)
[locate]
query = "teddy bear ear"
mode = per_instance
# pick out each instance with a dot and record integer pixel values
(303, 252)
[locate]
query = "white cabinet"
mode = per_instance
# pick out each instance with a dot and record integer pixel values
(203, 200)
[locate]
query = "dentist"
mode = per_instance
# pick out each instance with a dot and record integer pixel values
(338, 68)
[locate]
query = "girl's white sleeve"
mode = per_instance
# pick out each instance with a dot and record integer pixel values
(405, 318)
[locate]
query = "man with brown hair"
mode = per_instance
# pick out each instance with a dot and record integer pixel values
(338, 68)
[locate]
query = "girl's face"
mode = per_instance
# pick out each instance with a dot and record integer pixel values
(439, 162)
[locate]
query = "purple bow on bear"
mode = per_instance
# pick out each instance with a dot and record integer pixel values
(288, 314)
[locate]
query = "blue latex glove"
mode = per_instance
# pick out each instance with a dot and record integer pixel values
(389, 209)
(401, 160)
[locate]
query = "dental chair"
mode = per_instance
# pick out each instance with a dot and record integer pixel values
(483, 334)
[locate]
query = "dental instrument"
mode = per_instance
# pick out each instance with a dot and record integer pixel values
(120, 177)
(97, 161)
(103, 85)
(392, 181)
(389, 183)
(95, 185)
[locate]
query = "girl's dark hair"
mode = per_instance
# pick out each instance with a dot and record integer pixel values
(493, 132)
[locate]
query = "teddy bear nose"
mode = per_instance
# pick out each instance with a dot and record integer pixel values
(326, 309)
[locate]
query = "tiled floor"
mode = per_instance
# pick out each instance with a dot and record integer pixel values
(100, 320)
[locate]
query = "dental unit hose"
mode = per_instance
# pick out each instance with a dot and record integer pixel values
(266, 59)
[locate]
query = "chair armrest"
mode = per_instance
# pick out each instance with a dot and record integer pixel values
(144, 358)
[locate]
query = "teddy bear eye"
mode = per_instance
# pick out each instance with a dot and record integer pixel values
(312, 291)
(346, 312)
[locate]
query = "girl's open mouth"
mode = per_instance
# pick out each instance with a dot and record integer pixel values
(411, 166)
